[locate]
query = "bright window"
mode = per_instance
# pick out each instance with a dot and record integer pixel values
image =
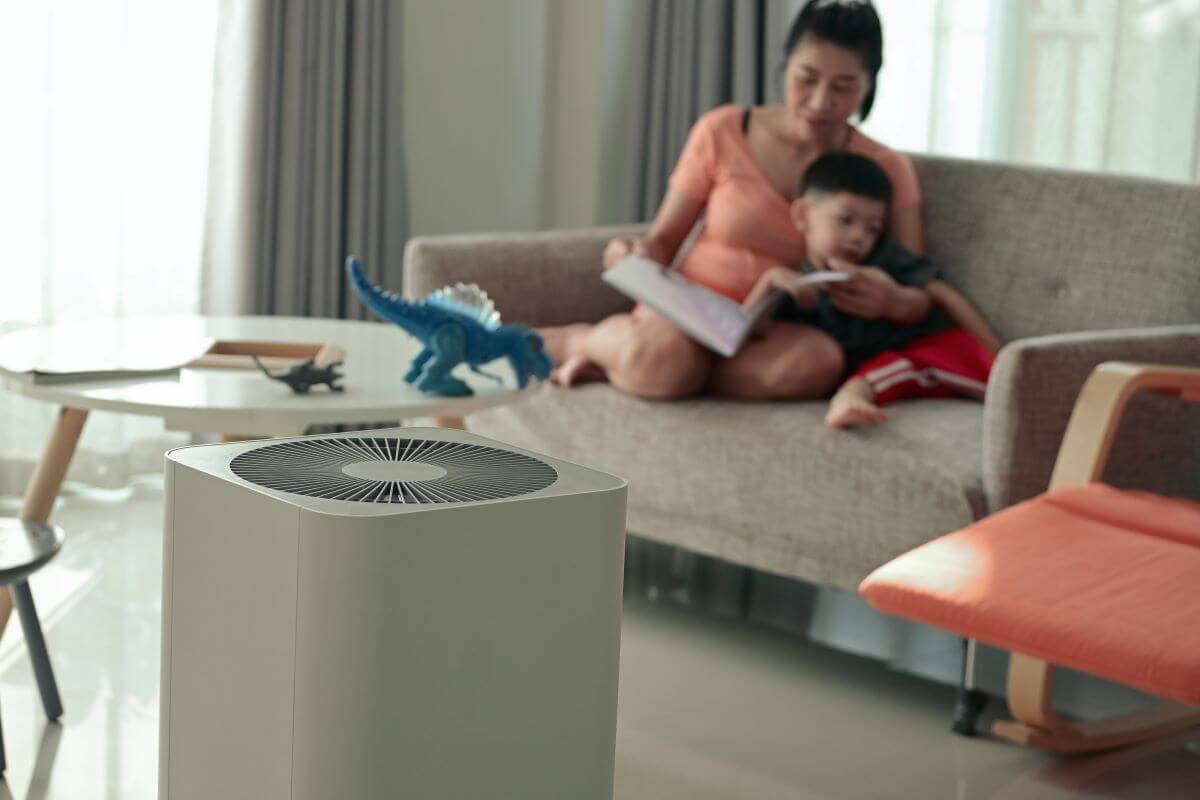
(103, 156)
(1102, 85)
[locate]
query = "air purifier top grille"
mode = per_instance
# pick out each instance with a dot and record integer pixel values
(392, 470)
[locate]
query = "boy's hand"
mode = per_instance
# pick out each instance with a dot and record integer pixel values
(784, 280)
(869, 293)
(805, 294)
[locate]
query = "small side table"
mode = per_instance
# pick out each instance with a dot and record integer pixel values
(25, 547)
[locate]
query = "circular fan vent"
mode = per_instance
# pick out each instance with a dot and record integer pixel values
(379, 470)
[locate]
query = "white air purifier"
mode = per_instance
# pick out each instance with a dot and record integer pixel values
(417, 613)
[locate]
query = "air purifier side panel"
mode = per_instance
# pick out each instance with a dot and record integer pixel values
(230, 588)
(466, 651)
(164, 687)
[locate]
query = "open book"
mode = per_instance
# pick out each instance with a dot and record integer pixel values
(73, 353)
(167, 357)
(712, 319)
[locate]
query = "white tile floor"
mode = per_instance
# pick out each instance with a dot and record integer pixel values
(708, 709)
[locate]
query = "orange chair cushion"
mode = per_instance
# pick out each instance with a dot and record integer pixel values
(1099, 579)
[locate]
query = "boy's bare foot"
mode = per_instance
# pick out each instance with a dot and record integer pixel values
(562, 341)
(854, 413)
(576, 370)
(854, 407)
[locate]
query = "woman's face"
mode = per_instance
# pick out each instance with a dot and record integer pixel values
(824, 84)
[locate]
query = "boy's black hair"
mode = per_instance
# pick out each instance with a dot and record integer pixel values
(847, 172)
(852, 24)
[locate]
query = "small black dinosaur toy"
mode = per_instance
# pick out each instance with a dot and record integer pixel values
(303, 377)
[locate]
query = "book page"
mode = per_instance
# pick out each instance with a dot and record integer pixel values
(64, 357)
(710, 318)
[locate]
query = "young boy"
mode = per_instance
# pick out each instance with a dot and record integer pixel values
(843, 209)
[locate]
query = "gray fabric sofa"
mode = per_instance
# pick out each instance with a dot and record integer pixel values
(1072, 269)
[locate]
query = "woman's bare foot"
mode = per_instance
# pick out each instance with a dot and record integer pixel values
(854, 407)
(576, 370)
(562, 341)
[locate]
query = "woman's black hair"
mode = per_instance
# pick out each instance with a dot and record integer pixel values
(852, 24)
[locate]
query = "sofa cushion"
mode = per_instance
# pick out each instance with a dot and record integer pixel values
(1043, 251)
(766, 485)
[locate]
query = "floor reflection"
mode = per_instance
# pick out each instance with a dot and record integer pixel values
(1169, 768)
(709, 709)
(43, 766)
(99, 602)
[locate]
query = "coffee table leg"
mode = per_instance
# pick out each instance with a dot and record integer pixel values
(47, 479)
(450, 422)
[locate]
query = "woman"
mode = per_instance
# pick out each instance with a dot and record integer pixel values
(741, 168)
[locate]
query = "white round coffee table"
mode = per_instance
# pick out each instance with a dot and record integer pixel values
(226, 401)
(237, 401)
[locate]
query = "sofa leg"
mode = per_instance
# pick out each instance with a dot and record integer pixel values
(967, 708)
(746, 593)
(970, 702)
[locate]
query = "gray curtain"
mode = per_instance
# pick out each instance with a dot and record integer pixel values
(306, 159)
(677, 59)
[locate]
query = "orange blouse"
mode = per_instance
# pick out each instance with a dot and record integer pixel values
(748, 228)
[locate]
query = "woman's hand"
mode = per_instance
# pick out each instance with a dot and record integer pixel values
(616, 249)
(619, 248)
(674, 220)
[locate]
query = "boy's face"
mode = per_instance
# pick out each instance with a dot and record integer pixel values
(840, 225)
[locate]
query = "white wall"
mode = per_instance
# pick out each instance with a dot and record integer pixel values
(474, 113)
(501, 113)
(578, 34)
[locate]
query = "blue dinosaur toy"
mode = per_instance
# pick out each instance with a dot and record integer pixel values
(456, 325)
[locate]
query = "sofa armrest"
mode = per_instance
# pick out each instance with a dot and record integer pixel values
(1031, 395)
(546, 278)
(1099, 411)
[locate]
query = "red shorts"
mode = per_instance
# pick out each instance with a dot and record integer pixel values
(947, 364)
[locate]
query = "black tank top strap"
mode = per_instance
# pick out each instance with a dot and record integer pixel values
(746, 121)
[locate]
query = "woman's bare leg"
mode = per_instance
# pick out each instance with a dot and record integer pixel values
(651, 359)
(563, 344)
(576, 370)
(643, 355)
(790, 362)
(560, 340)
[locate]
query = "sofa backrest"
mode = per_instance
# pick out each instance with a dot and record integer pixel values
(1043, 251)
